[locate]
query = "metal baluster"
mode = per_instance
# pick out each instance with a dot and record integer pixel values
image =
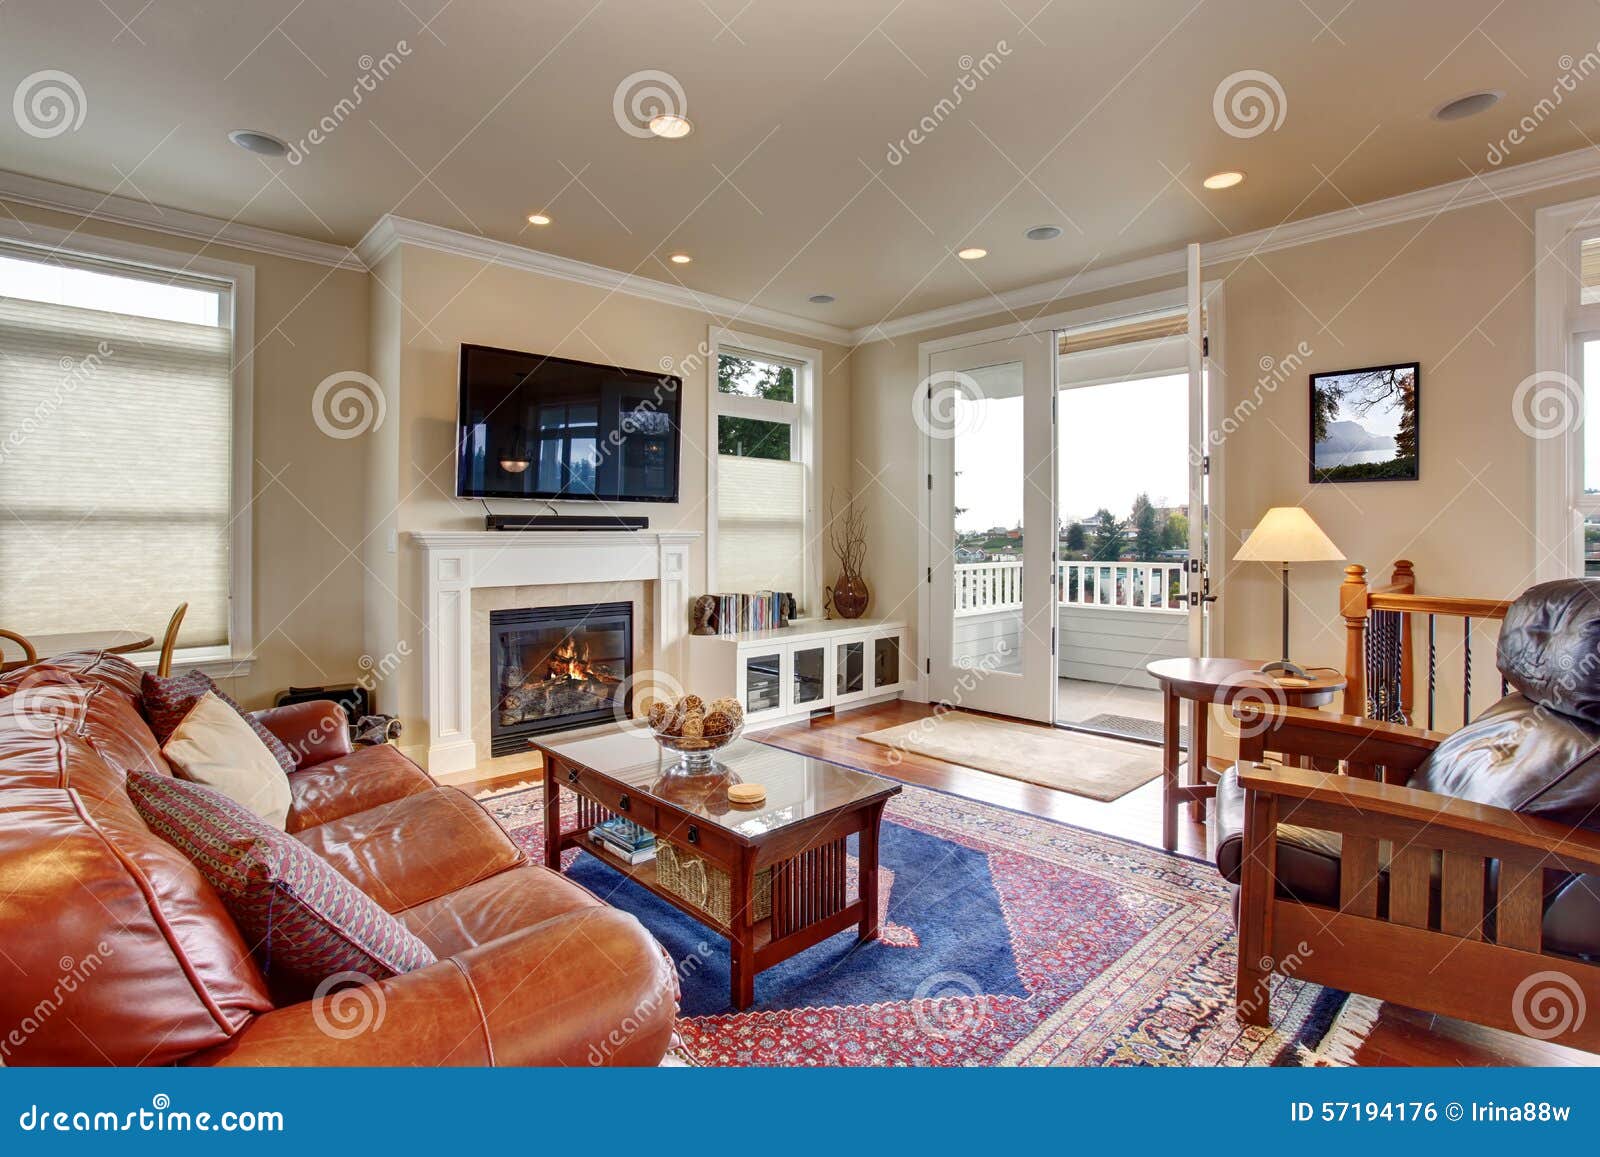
(1466, 669)
(1432, 668)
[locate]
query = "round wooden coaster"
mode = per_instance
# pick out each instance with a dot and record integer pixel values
(747, 793)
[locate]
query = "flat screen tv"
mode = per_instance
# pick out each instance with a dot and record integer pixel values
(551, 428)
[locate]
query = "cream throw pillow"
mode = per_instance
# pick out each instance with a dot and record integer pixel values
(215, 746)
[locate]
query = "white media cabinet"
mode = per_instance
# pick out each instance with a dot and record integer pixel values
(785, 675)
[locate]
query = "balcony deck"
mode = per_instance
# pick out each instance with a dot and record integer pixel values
(1113, 618)
(1082, 703)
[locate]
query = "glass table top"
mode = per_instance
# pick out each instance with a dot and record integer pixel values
(798, 786)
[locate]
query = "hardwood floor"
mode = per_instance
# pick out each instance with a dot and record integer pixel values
(1402, 1036)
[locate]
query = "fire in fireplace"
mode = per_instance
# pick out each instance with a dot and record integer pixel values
(552, 668)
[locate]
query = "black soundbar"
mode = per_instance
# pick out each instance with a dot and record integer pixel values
(565, 522)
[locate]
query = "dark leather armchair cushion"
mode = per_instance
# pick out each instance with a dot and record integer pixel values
(1550, 647)
(1308, 860)
(1519, 755)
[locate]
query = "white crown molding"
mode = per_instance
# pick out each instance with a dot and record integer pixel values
(119, 210)
(1513, 181)
(1026, 297)
(392, 230)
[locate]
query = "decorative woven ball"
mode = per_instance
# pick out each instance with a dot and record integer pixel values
(717, 723)
(691, 704)
(693, 725)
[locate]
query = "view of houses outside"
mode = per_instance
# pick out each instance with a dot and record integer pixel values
(1123, 461)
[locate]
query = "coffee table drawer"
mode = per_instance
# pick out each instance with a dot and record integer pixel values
(700, 837)
(630, 805)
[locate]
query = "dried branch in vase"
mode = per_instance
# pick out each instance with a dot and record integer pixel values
(847, 533)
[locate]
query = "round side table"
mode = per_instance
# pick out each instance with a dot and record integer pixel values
(1204, 682)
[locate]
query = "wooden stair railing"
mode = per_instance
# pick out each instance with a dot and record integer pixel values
(1379, 655)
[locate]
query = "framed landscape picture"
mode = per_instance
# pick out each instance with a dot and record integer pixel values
(1364, 424)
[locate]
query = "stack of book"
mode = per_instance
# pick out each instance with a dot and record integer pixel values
(625, 840)
(762, 611)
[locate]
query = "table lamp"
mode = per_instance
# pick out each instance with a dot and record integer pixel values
(1287, 534)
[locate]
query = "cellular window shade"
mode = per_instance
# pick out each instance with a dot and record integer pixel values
(761, 525)
(114, 472)
(1589, 270)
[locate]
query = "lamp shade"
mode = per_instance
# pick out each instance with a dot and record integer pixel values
(1287, 534)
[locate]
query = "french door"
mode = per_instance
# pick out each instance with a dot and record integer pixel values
(988, 412)
(1046, 603)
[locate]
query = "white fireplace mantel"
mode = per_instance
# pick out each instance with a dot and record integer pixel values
(457, 562)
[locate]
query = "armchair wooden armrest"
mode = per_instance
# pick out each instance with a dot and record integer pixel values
(1364, 743)
(1342, 803)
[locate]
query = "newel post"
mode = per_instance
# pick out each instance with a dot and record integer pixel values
(1404, 581)
(1353, 609)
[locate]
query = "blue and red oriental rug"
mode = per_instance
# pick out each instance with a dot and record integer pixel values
(1007, 940)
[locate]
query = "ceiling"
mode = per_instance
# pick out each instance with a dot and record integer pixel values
(801, 176)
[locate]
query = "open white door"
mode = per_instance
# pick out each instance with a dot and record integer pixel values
(988, 412)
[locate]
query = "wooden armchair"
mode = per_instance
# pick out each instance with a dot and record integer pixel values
(1472, 892)
(1440, 901)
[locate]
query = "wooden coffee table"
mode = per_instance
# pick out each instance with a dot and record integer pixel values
(799, 831)
(1208, 681)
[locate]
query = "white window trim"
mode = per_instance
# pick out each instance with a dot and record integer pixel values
(239, 656)
(806, 389)
(1559, 318)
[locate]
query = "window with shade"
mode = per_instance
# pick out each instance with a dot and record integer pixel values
(116, 464)
(761, 506)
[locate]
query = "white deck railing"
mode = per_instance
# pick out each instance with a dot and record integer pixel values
(1159, 587)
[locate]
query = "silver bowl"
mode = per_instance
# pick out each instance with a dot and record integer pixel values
(696, 755)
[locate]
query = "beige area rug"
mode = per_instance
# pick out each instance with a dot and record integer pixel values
(1086, 765)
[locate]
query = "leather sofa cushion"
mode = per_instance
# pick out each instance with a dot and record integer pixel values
(1520, 756)
(365, 778)
(167, 700)
(587, 988)
(415, 849)
(112, 672)
(1549, 644)
(140, 963)
(302, 917)
(496, 907)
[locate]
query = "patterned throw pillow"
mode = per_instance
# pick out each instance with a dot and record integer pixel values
(305, 921)
(168, 699)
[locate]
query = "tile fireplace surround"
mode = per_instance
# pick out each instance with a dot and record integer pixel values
(457, 562)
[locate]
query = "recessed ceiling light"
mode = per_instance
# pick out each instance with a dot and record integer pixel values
(671, 126)
(255, 141)
(680, 259)
(1223, 180)
(821, 299)
(1465, 106)
(1043, 233)
(972, 253)
(538, 218)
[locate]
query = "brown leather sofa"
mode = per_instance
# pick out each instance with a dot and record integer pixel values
(1473, 890)
(116, 951)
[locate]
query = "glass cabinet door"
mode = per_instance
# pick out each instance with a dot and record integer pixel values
(885, 662)
(763, 682)
(807, 681)
(850, 668)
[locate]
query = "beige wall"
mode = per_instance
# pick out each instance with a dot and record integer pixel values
(1454, 293)
(446, 300)
(310, 321)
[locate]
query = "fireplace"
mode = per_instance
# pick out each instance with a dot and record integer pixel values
(552, 668)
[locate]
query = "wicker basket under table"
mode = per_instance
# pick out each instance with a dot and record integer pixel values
(706, 886)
